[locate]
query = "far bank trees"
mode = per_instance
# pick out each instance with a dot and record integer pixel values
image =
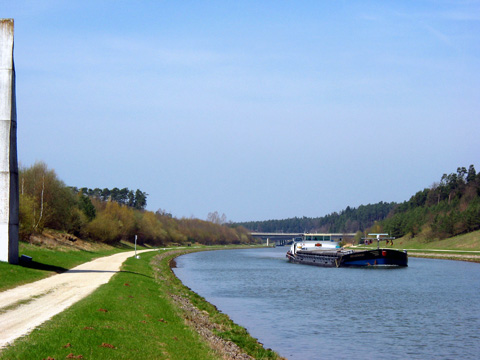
(349, 220)
(448, 208)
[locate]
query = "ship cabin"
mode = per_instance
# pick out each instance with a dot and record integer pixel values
(318, 237)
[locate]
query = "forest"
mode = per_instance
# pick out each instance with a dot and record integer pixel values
(137, 199)
(109, 216)
(449, 207)
(347, 221)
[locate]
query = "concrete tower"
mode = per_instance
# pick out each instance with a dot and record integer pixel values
(8, 148)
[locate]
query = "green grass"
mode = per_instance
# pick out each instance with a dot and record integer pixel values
(229, 330)
(466, 242)
(46, 262)
(130, 316)
(463, 247)
(133, 317)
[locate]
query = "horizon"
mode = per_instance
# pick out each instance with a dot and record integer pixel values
(256, 110)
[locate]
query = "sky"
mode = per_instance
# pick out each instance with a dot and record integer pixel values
(255, 109)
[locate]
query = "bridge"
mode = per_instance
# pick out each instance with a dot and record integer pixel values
(281, 239)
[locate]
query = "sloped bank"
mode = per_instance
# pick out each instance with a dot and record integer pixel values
(222, 334)
(143, 312)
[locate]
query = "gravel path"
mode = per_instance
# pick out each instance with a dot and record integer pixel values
(24, 308)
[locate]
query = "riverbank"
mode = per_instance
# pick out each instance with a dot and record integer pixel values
(458, 255)
(26, 307)
(143, 312)
(464, 247)
(136, 301)
(223, 335)
(473, 256)
(253, 287)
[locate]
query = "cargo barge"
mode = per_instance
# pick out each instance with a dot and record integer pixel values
(322, 251)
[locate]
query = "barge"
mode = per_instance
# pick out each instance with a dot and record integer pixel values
(322, 251)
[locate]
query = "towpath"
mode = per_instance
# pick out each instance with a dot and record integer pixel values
(24, 308)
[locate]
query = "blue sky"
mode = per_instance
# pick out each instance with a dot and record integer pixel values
(256, 109)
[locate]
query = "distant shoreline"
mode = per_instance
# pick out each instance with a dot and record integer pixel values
(446, 256)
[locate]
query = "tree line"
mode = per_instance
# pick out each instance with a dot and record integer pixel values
(449, 207)
(135, 199)
(346, 221)
(109, 216)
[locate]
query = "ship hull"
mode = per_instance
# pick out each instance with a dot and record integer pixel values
(341, 258)
(378, 257)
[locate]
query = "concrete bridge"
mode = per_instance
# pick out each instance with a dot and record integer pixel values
(277, 238)
(281, 239)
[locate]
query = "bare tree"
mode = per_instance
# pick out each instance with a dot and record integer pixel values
(217, 219)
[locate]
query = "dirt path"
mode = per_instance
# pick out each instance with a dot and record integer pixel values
(26, 307)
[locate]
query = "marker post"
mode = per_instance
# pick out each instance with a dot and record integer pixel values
(136, 256)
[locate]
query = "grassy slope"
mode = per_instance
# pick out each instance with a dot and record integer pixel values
(132, 317)
(133, 324)
(463, 247)
(226, 328)
(467, 242)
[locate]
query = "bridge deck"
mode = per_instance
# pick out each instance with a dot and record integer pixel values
(283, 238)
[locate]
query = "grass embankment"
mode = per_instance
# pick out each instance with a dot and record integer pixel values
(144, 312)
(464, 247)
(466, 242)
(207, 320)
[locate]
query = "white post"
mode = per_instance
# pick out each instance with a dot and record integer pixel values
(8, 148)
(267, 242)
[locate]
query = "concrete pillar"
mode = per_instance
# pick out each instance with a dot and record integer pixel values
(8, 148)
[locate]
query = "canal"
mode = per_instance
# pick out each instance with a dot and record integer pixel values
(430, 310)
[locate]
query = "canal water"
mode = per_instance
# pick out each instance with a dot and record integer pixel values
(430, 310)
